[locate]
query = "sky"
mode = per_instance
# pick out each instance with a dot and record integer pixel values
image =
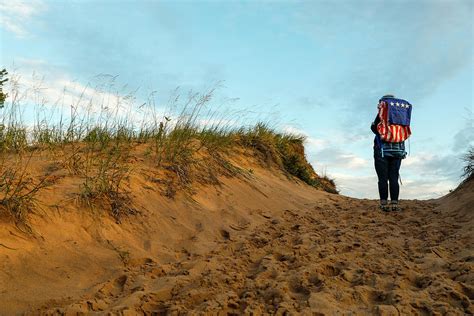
(315, 68)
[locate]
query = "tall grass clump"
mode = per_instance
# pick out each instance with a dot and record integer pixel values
(104, 176)
(18, 188)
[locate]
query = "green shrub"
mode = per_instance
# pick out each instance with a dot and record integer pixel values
(469, 164)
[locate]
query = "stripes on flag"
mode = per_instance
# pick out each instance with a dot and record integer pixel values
(391, 133)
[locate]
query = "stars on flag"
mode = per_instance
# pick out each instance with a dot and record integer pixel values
(400, 105)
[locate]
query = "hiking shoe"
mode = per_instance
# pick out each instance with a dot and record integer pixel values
(394, 207)
(384, 206)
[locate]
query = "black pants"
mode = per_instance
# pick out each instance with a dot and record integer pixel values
(387, 169)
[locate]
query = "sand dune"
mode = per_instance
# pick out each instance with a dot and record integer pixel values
(259, 244)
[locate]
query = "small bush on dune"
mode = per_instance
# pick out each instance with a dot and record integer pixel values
(469, 165)
(13, 138)
(291, 149)
(105, 173)
(287, 151)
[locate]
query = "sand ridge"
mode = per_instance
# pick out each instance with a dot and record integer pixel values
(265, 246)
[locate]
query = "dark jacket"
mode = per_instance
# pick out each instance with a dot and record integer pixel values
(373, 127)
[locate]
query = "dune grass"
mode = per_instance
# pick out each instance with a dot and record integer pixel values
(18, 188)
(95, 143)
(468, 158)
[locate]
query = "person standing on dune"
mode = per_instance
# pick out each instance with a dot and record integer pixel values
(391, 128)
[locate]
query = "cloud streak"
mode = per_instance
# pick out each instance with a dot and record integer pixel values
(16, 15)
(54, 96)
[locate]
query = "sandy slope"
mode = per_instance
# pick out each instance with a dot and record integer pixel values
(264, 244)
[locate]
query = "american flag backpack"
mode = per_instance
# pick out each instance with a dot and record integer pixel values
(395, 116)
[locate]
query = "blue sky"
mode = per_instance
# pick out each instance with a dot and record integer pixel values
(311, 67)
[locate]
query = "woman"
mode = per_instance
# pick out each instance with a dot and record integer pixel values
(387, 159)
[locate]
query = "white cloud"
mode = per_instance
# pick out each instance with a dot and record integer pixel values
(56, 94)
(442, 166)
(424, 176)
(293, 130)
(316, 143)
(425, 188)
(366, 186)
(356, 186)
(334, 158)
(17, 14)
